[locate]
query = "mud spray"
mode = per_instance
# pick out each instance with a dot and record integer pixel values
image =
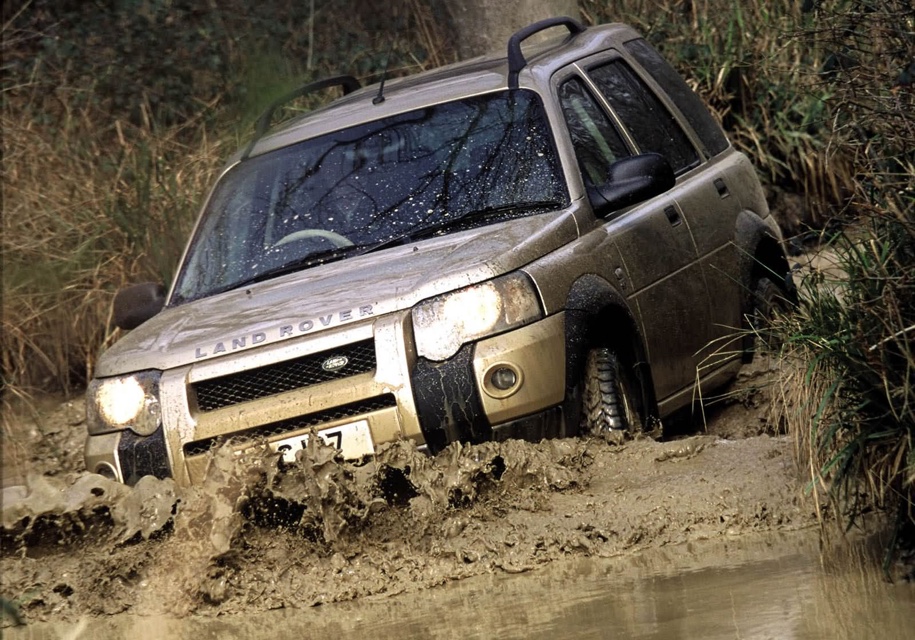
(259, 533)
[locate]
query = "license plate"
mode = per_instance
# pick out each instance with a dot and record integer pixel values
(353, 440)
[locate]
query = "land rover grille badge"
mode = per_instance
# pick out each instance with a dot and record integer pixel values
(334, 363)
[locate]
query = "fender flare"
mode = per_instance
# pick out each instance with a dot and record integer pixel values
(597, 313)
(761, 253)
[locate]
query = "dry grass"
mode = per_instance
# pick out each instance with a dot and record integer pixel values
(88, 206)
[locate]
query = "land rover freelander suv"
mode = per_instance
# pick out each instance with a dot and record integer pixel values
(524, 245)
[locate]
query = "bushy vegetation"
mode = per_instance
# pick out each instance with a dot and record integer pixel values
(851, 391)
(853, 333)
(117, 114)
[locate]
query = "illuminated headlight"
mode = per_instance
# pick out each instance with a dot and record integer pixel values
(126, 402)
(441, 325)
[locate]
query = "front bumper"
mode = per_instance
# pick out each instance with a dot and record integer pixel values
(127, 457)
(401, 396)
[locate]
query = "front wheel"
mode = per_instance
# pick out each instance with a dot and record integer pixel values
(610, 407)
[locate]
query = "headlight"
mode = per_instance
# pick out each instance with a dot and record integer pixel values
(441, 325)
(126, 402)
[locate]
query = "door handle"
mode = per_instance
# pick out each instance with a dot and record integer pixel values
(673, 216)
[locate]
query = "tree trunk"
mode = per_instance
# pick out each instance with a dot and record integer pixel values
(483, 26)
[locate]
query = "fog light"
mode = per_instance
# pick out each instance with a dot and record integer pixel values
(503, 378)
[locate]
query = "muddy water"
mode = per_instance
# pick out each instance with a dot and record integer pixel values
(710, 536)
(762, 586)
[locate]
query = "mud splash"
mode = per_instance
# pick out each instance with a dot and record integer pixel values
(262, 533)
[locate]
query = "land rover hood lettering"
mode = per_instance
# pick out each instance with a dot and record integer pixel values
(284, 331)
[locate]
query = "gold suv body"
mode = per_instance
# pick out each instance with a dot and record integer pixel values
(435, 259)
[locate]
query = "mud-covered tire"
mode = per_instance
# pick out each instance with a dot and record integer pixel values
(769, 301)
(609, 406)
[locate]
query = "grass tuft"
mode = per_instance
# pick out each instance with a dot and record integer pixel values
(852, 395)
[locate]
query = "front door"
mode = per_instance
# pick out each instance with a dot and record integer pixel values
(660, 272)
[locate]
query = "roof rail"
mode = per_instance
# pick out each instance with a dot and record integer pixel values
(516, 61)
(348, 83)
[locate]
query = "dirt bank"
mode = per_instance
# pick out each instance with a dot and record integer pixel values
(256, 537)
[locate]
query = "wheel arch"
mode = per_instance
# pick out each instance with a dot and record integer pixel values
(762, 255)
(598, 315)
(770, 261)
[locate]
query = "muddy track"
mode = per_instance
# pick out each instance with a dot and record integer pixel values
(260, 535)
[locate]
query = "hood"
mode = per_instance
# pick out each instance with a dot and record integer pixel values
(334, 294)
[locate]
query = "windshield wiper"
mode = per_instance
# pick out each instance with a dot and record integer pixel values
(310, 260)
(417, 233)
(470, 220)
(465, 220)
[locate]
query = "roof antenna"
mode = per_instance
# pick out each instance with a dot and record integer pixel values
(384, 74)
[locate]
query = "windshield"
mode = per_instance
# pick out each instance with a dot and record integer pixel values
(349, 191)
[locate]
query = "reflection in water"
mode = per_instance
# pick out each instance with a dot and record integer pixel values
(762, 587)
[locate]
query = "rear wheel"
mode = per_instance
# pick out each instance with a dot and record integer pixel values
(610, 406)
(769, 302)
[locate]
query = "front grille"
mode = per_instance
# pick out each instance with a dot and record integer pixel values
(284, 376)
(274, 429)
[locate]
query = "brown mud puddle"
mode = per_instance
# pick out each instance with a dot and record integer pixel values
(257, 537)
(767, 585)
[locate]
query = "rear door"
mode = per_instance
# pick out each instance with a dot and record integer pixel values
(712, 202)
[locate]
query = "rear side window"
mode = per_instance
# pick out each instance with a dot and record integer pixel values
(652, 126)
(597, 143)
(689, 104)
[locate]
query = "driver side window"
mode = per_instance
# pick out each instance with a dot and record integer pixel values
(597, 143)
(651, 125)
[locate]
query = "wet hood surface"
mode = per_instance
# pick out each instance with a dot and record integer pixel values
(334, 295)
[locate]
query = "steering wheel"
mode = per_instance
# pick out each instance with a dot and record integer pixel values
(333, 236)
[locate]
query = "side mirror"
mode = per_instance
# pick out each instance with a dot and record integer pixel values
(137, 303)
(632, 180)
